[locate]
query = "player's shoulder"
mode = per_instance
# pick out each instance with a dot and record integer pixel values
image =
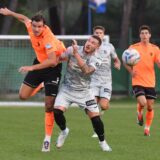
(106, 46)
(154, 46)
(47, 33)
(135, 45)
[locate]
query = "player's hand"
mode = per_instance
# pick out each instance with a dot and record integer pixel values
(5, 11)
(133, 73)
(25, 69)
(117, 65)
(74, 45)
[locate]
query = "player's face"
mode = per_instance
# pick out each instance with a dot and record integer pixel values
(99, 33)
(145, 36)
(91, 45)
(37, 27)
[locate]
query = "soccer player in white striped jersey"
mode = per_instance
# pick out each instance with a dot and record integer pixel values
(101, 80)
(82, 62)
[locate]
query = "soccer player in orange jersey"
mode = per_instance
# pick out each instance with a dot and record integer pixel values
(45, 68)
(143, 77)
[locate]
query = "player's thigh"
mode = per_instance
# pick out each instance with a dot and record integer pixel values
(63, 100)
(25, 91)
(142, 100)
(151, 96)
(139, 93)
(31, 81)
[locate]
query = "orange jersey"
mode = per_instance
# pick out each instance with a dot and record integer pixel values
(145, 72)
(45, 43)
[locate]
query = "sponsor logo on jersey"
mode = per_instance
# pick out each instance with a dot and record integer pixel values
(90, 102)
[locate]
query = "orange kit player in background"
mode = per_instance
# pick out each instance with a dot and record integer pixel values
(45, 68)
(143, 77)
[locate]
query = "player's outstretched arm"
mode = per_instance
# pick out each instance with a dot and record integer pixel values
(20, 17)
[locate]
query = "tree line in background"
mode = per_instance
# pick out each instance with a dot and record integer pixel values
(121, 20)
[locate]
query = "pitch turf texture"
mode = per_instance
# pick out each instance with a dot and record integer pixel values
(22, 132)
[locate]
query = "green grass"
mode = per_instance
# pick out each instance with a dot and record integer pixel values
(22, 133)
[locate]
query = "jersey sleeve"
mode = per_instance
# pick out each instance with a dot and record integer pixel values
(113, 52)
(67, 53)
(51, 44)
(157, 57)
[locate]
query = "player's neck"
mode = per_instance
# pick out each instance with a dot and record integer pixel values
(145, 43)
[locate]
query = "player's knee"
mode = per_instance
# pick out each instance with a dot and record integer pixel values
(149, 108)
(143, 103)
(104, 106)
(49, 105)
(48, 108)
(23, 96)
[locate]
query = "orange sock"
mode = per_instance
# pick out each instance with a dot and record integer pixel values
(149, 118)
(49, 123)
(36, 90)
(139, 109)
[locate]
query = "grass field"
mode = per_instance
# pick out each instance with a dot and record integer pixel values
(22, 133)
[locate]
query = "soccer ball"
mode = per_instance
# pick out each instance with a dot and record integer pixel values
(130, 57)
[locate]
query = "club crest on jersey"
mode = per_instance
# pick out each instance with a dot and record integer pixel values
(97, 64)
(48, 46)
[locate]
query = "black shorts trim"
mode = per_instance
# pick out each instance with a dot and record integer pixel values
(148, 92)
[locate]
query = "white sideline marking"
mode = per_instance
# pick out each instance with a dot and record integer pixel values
(25, 104)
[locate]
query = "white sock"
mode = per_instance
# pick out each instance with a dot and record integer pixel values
(47, 138)
(146, 127)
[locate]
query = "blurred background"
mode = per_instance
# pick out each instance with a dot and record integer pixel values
(121, 18)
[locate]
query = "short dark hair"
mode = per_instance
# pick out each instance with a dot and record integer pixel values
(97, 38)
(99, 27)
(38, 17)
(144, 27)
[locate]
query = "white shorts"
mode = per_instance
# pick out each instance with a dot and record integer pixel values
(84, 99)
(102, 91)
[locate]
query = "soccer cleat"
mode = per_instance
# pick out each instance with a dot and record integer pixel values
(46, 146)
(140, 119)
(61, 138)
(105, 147)
(146, 132)
(94, 135)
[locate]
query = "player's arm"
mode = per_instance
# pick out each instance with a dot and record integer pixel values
(20, 17)
(117, 63)
(130, 69)
(52, 61)
(86, 69)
